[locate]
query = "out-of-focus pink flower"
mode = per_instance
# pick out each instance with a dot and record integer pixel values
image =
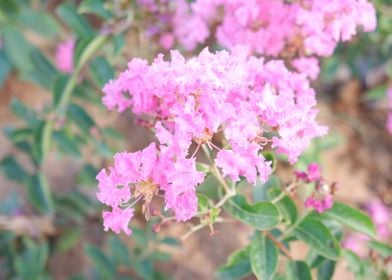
(382, 218)
(319, 204)
(356, 242)
(312, 174)
(65, 55)
(167, 40)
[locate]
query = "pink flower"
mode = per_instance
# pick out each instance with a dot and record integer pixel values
(319, 204)
(118, 220)
(65, 56)
(308, 66)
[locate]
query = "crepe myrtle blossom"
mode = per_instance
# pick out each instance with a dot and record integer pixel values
(300, 30)
(139, 176)
(190, 101)
(64, 55)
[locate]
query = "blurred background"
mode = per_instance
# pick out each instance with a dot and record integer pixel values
(56, 135)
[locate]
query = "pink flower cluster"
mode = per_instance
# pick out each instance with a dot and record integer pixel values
(303, 29)
(140, 176)
(322, 197)
(64, 56)
(250, 102)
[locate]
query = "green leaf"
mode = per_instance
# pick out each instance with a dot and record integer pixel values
(31, 263)
(298, 270)
(170, 241)
(86, 176)
(94, 7)
(40, 195)
(13, 170)
(80, 117)
(263, 257)
(261, 215)
(286, 206)
(101, 71)
(40, 22)
(237, 266)
(376, 93)
(44, 72)
(16, 48)
(203, 203)
(119, 251)
(59, 85)
(76, 22)
(325, 270)
(24, 112)
(68, 239)
(318, 237)
(5, 68)
(18, 135)
(101, 263)
(384, 249)
(9, 7)
(260, 191)
(351, 217)
(354, 263)
(66, 143)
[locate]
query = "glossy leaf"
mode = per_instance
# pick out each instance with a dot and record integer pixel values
(298, 270)
(263, 257)
(351, 217)
(326, 270)
(384, 249)
(237, 266)
(286, 206)
(318, 237)
(80, 117)
(261, 215)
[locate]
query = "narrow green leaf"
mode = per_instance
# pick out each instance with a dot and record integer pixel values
(5, 68)
(80, 117)
(351, 217)
(298, 270)
(101, 263)
(237, 266)
(101, 71)
(119, 251)
(263, 257)
(318, 237)
(40, 22)
(13, 170)
(68, 239)
(40, 195)
(44, 72)
(16, 48)
(24, 112)
(66, 143)
(170, 241)
(86, 176)
(76, 22)
(96, 7)
(261, 215)
(384, 249)
(59, 85)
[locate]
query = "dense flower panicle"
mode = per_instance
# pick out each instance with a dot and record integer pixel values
(229, 92)
(190, 101)
(301, 30)
(64, 56)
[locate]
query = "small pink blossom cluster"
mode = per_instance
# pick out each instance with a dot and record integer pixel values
(247, 101)
(322, 197)
(65, 55)
(301, 30)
